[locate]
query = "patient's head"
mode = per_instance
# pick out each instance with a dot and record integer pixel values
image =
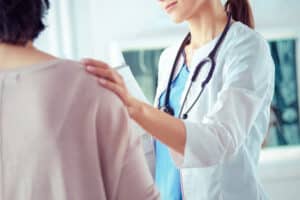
(21, 21)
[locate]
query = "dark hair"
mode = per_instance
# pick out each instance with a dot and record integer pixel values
(21, 20)
(241, 11)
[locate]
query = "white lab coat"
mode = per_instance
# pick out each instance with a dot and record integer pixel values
(227, 126)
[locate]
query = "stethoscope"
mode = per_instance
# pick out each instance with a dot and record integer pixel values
(209, 59)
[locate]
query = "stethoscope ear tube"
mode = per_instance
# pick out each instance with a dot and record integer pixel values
(167, 109)
(185, 115)
(210, 73)
(199, 67)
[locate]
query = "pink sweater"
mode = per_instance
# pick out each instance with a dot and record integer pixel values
(63, 137)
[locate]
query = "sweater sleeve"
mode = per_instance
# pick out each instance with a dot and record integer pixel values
(124, 168)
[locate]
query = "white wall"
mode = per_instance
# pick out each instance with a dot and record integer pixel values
(68, 31)
(280, 172)
(85, 28)
(93, 24)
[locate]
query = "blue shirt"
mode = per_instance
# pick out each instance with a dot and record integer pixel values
(167, 176)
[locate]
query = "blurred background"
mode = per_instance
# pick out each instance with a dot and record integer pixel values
(78, 29)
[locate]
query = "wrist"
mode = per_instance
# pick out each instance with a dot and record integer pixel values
(135, 108)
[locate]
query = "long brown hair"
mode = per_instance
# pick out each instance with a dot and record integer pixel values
(241, 11)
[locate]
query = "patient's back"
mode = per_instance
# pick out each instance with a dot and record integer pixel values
(63, 137)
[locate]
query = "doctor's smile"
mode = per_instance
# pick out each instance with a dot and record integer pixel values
(170, 6)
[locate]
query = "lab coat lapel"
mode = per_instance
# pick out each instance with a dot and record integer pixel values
(166, 72)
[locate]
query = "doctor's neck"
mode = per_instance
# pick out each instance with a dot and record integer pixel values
(210, 19)
(206, 23)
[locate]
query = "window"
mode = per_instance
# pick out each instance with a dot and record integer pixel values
(284, 129)
(143, 64)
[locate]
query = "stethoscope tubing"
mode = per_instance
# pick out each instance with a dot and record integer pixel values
(210, 59)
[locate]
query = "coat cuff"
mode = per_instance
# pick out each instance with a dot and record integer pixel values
(188, 160)
(200, 150)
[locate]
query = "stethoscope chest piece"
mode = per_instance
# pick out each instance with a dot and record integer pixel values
(167, 109)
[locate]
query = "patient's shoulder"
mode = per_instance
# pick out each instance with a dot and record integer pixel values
(67, 68)
(73, 77)
(72, 72)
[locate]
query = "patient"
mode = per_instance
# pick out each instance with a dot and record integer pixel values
(60, 138)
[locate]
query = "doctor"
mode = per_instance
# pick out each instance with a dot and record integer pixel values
(214, 93)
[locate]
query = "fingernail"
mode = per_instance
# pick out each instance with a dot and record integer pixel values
(83, 61)
(101, 81)
(90, 68)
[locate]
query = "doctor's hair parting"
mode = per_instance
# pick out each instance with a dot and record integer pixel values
(21, 21)
(241, 11)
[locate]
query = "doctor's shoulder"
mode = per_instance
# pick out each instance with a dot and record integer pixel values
(247, 47)
(245, 40)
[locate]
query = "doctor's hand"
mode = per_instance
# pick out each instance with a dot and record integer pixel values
(166, 128)
(112, 80)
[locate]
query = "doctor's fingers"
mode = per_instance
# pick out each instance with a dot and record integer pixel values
(107, 73)
(94, 63)
(102, 69)
(118, 89)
